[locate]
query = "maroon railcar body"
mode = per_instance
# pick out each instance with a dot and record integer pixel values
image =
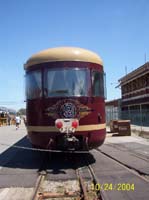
(65, 99)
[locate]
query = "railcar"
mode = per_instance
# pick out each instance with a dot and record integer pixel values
(65, 99)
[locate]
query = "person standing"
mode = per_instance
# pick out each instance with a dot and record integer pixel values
(9, 120)
(18, 120)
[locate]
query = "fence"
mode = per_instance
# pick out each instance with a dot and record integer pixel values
(137, 117)
(112, 115)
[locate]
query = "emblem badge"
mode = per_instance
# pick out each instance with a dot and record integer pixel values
(67, 109)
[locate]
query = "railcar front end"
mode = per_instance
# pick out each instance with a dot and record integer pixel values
(65, 99)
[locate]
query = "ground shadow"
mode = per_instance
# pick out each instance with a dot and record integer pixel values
(28, 159)
(17, 157)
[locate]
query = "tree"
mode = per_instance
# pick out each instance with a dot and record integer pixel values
(22, 111)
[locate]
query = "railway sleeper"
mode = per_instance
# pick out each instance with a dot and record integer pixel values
(46, 195)
(83, 192)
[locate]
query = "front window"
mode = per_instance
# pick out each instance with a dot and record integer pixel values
(98, 84)
(33, 85)
(66, 82)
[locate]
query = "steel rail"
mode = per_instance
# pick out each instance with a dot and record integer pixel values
(44, 195)
(42, 174)
(41, 195)
(37, 186)
(130, 151)
(101, 193)
(84, 196)
(127, 167)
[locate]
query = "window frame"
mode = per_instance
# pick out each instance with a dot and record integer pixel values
(45, 77)
(41, 86)
(103, 94)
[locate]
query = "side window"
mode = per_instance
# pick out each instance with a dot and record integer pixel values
(98, 84)
(33, 85)
(105, 88)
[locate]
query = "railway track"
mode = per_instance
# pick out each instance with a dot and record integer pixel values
(121, 148)
(76, 189)
(133, 170)
(80, 187)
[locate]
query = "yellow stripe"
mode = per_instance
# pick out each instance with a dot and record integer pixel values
(92, 127)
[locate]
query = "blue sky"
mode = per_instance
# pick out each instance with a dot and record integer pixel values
(117, 30)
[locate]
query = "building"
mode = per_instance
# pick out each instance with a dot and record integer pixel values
(135, 95)
(113, 110)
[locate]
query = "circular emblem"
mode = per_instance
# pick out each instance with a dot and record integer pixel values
(68, 110)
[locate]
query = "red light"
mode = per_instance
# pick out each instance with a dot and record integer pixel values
(59, 124)
(74, 124)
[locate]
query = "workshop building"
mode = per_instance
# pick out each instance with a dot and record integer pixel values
(135, 95)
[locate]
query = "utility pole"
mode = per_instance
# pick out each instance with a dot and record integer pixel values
(125, 70)
(145, 57)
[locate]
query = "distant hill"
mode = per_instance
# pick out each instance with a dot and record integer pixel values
(4, 109)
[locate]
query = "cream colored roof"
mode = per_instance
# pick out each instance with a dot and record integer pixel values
(63, 54)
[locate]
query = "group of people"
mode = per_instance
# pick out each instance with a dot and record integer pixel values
(5, 118)
(8, 120)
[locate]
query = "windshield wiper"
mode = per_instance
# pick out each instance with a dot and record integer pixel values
(59, 91)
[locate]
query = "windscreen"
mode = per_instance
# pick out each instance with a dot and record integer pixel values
(33, 85)
(98, 84)
(66, 82)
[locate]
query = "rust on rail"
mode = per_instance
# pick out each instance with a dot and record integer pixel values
(45, 195)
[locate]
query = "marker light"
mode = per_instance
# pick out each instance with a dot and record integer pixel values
(74, 124)
(59, 124)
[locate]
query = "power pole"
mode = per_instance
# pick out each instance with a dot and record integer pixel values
(125, 70)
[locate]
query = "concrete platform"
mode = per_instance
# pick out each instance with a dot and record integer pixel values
(16, 193)
(109, 172)
(132, 151)
(9, 135)
(141, 131)
(18, 167)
